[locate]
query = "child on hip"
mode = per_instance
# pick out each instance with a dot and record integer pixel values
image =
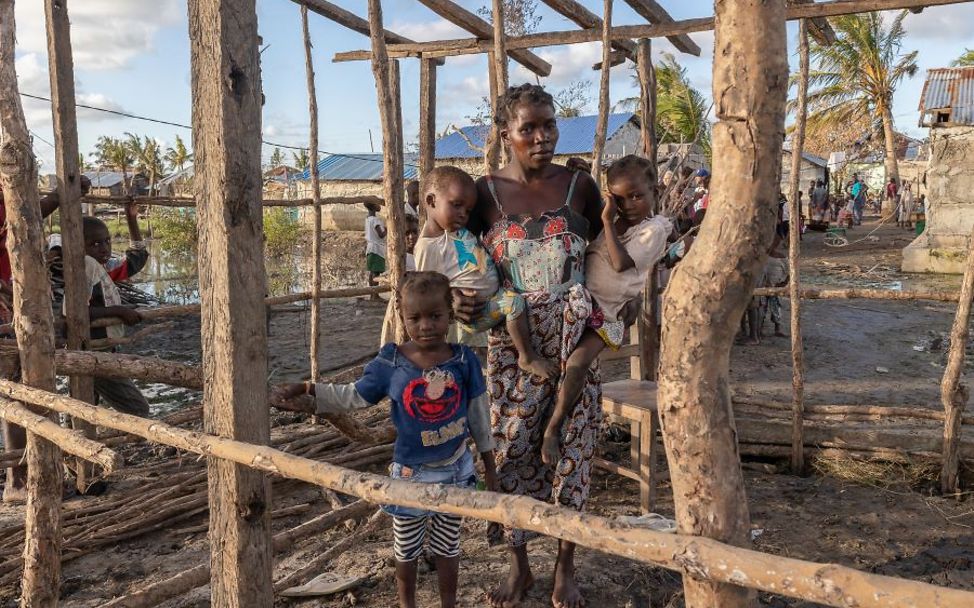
(446, 246)
(439, 400)
(617, 263)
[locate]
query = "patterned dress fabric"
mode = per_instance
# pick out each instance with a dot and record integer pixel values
(543, 259)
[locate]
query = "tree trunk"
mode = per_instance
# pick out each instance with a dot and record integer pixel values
(227, 101)
(648, 324)
(794, 243)
(711, 287)
(392, 189)
(34, 325)
(892, 167)
(953, 393)
(427, 123)
(316, 197)
(61, 67)
(602, 124)
(498, 74)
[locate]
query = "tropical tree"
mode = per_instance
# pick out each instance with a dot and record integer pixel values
(147, 156)
(301, 159)
(113, 153)
(573, 100)
(857, 75)
(681, 110)
(520, 16)
(966, 59)
(177, 155)
(277, 158)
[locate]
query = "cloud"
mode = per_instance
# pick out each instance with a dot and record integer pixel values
(942, 23)
(105, 34)
(425, 31)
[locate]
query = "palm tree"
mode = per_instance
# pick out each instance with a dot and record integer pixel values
(681, 110)
(115, 154)
(177, 155)
(965, 60)
(857, 75)
(301, 159)
(146, 155)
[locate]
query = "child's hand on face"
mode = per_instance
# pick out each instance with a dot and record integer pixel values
(611, 209)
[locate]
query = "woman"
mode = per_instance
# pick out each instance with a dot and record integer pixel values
(536, 219)
(906, 207)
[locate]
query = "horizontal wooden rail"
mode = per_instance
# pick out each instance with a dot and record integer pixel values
(466, 46)
(700, 557)
(856, 293)
(176, 201)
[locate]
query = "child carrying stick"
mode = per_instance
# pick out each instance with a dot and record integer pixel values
(439, 399)
(446, 246)
(617, 263)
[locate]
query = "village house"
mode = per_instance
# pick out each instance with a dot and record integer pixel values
(812, 167)
(112, 183)
(947, 108)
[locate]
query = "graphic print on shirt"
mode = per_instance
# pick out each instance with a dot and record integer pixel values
(431, 398)
(468, 257)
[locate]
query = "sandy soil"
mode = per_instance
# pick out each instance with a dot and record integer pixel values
(891, 524)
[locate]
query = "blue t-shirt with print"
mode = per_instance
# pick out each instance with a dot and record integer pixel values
(429, 407)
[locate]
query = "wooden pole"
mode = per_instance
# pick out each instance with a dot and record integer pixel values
(117, 365)
(498, 74)
(34, 324)
(68, 440)
(316, 197)
(602, 125)
(648, 323)
(953, 393)
(61, 68)
(794, 269)
(391, 156)
(855, 293)
(227, 99)
(701, 557)
(711, 287)
(427, 121)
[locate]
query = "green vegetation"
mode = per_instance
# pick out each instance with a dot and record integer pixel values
(176, 229)
(282, 230)
(965, 60)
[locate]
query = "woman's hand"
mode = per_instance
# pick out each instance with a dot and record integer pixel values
(466, 305)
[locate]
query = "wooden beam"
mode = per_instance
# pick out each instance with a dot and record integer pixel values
(76, 296)
(602, 123)
(315, 320)
(646, 365)
(705, 558)
(710, 289)
(481, 29)
(227, 101)
(819, 27)
(499, 80)
(390, 113)
(467, 46)
(584, 18)
(427, 120)
(794, 269)
(350, 20)
(652, 11)
(34, 322)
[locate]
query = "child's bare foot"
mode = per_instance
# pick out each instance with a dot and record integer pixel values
(753, 341)
(551, 447)
(780, 334)
(539, 367)
(510, 593)
(566, 593)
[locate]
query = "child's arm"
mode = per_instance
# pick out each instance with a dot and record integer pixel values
(132, 215)
(478, 419)
(129, 316)
(618, 256)
(327, 398)
(380, 229)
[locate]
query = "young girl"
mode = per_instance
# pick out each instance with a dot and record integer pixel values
(446, 246)
(616, 265)
(438, 399)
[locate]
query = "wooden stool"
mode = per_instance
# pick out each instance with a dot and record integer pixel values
(635, 401)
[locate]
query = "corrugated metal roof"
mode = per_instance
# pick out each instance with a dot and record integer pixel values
(575, 136)
(359, 167)
(815, 160)
(104, 179)
(949, 88)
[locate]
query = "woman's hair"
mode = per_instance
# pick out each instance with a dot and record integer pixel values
(507, 103)
(424, 282)
(631, 165)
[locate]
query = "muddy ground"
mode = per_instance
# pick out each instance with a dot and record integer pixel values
(868, 352)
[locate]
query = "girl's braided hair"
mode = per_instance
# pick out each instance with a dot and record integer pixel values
(533, 94)
(631, 165)
(422, 282)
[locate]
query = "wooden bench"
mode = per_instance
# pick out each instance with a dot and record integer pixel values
(635, 402)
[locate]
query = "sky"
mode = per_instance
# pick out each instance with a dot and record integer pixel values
(133, 56)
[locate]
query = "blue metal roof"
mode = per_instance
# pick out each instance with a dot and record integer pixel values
(105, 179)
(576, 136)
(359, 167)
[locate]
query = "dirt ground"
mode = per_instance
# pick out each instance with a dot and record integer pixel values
(860, 352)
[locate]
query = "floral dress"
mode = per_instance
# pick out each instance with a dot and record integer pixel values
(544, 260)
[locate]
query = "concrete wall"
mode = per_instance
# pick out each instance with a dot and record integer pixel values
(339, 217)
(807, 172)
(950, 204)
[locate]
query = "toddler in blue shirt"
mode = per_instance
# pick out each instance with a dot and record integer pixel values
(439, 399)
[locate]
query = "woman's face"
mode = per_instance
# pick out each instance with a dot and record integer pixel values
(532, 134)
